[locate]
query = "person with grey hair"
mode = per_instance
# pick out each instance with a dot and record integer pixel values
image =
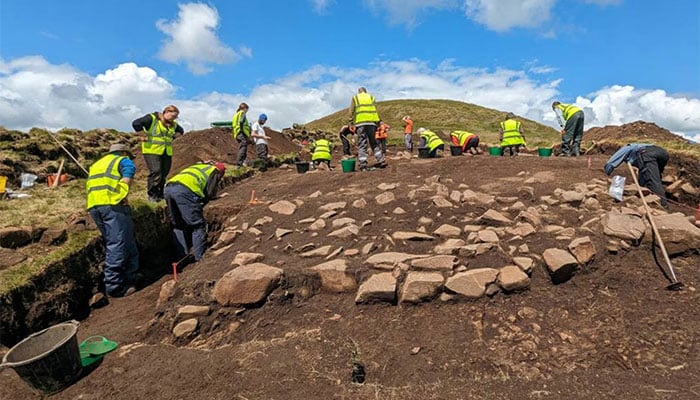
(363, 113)
(572, 128)
(107, 188)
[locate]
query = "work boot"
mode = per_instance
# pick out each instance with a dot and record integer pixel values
(382, 164)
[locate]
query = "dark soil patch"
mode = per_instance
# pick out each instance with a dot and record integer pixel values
(612, 331)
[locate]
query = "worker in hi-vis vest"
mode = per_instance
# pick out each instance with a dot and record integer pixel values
(241, 132)
(511, 135)
(159, 130)
(431, 141)
(186, 194)
(107, 189)
(469, 142)
(321, 149)
(572, 128)
(363, 113)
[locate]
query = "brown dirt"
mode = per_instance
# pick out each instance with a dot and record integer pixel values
(639, 131)
(611, 332)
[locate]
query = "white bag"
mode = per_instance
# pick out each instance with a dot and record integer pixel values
(27, 180)
(617, 187)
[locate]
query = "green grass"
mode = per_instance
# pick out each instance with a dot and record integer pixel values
(21, 273)
(445, 116)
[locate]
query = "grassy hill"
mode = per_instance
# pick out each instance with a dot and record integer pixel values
(445, 116)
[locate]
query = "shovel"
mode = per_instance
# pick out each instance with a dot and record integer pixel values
(675, 284)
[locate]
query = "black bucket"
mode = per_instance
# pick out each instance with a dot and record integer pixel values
(302, 166)
(456, 150)
(48, 360)
(423, 152)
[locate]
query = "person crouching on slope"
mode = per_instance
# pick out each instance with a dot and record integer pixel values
(321, 149)
(186, 194)
(469, 142)
(430, 140)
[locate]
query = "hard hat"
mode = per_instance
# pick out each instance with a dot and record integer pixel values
(262, 117)
(221, 167)
(421, 130)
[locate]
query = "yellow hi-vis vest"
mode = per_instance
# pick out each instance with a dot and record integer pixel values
(462, 136)
(567, 110)
(511, 133)
(104, 185)
(194, 177)
(432, 140)
(160, 138)
(365, 110)
(322, 150)
(239, 123)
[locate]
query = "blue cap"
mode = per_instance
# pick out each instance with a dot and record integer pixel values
(263, 117)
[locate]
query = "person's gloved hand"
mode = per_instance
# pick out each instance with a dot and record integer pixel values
(608, 169)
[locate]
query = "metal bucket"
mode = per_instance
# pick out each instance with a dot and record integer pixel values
(48, 360)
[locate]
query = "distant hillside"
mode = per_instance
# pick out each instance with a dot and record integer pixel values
(446, 116)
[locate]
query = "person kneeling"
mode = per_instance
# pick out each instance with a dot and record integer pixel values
(321, 153)
(186, 194)
(430, 140)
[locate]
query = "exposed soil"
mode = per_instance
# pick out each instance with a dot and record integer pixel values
(612, 331)
(639, 131)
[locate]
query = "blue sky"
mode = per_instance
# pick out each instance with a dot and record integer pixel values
(88, 64)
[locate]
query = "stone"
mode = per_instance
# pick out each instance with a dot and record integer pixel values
(346, 231)
(398, 211)
(379, 287)
(335, 276)
(446, 230)
(385, 198)
(360, 203)
(441, 202)
(583, 249)
(524, 263)
(368, 248)
(193, 311)
(517, 206)
(255, 231)
(572, 197)
(392, 258)
(420, 286)
(678, 234)
(335, 253)
(690, 189)
(387, 186)
(560, 263)
(338, 205)
(351, 252)
(342, 222)
(450, 246)
(456, 196)
(262, 221)
(425, 221)
(318, 225)
(414, 236)
(441, 262)
(54, 236)
(530, 215)
(328, 214)
(186, 328)
(283, 207)
(280, 232)
(493, 217)
(526, 192)
(246, 258)
(623, 226)
(487, 236)
(167, 291)
(247, 285)
(98, 300)
(511, 278)
(472, 283)
(322, 251)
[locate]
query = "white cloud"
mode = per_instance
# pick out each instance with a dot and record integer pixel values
(407, 11)
(321, 6)
(192, 39)
(35, 93)
(502, 15)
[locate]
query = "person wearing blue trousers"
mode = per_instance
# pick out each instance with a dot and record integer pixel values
(107, 189)
(186, 194)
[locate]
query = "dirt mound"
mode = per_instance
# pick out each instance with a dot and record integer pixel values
(612, 331)
(216, 144)
(639, 131)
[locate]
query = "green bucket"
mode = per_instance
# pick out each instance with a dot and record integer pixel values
(348, 165)
(495, 151)
(544, 152)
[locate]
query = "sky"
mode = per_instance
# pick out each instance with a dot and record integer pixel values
(101, 64)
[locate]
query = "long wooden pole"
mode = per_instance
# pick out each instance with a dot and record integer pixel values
(58, 174)
(674, 281)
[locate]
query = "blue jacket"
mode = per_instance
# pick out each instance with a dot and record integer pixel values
(625, 154)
